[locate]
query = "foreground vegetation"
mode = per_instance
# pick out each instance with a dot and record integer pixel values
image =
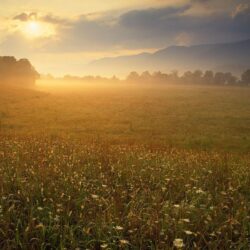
(57, 193)
(125, 168)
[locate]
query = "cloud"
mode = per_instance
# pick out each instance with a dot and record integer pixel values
(54, 20)
(241, 9)
(183, 39)
(144, 29)
(148, 28)
(34, 16)
(24, 17)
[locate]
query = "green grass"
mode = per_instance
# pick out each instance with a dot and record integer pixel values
(124, 167)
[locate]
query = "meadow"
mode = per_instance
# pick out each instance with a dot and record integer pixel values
(124, 167)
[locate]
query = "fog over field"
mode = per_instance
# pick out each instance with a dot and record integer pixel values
(125, 124)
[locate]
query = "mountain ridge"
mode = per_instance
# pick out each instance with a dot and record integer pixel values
(228, 56)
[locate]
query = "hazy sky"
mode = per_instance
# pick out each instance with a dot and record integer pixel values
(61, 36)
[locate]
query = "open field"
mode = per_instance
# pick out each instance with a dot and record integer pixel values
(124, 167)
(183, 116)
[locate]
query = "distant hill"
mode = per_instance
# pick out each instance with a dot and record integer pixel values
(233, 57)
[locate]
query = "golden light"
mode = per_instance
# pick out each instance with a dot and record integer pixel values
(35, 29)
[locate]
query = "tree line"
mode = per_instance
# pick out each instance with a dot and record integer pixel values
(22, 72)
(191, 77)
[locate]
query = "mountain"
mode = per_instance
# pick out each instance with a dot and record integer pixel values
(233, 57)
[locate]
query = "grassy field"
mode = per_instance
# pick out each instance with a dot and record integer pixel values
(189, 117)
(124, 167)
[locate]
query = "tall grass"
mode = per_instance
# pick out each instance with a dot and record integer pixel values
(62, 194)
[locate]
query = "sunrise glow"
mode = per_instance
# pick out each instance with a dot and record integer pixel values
(34, 29)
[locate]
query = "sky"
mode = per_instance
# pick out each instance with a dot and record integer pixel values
(60, 37)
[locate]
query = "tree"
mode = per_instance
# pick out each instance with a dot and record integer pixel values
(197, 77)
(245, 77)
(146, 77)
(229, 78)
(17, 72)
(173, 77)
(219, 78)
(187, 77)
(192, 77)
(208, 77)
(160, 77)
(133, 77)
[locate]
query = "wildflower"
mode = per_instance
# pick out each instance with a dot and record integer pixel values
(104, 245)
(119, 228)
(40, 225)
(12, 207)
(199, 191)
(27, 229)
(236, 232)
(94, 196)
(178, 243)
(187, 232)
(57, 218)
(185, 220)
(124, 242)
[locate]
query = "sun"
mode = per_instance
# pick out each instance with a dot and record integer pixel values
(35, 29)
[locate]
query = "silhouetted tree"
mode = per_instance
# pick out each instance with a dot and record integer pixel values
(208, 77)
(187, 77)
(18, 72)
(146, 77)
(173, 77)
(229, 78)
(219, 78)
(245, 77)
(197, 76)
(160, 77)
(133, 77)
